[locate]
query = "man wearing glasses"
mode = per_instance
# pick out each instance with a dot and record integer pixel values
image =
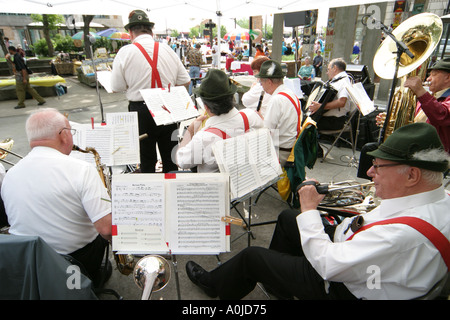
(383, 259)
(57, 197)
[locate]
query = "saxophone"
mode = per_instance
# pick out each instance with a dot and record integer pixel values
(125, 262)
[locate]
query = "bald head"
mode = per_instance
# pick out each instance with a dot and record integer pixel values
(44, 127)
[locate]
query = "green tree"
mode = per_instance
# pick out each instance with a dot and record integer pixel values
(174, 33)
(49, 23)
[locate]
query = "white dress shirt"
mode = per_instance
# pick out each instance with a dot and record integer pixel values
(56, 197)
(406, 262)
(342, 92)
(250, 99)
(132, 72)
(198, 152)
(282, 118)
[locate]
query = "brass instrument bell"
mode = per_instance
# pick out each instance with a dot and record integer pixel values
(420, 33)
(151, 274)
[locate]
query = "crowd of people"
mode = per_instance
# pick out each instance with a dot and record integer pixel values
(306, 259)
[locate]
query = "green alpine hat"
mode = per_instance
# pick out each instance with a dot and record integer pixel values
(270, 69)
(443, 64)
(407, 140)
(215, 86)
(138, 17)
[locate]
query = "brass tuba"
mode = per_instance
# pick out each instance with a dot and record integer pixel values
(421, 34)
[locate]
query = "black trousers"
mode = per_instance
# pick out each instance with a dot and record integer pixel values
(331, 123)
(161, 135)
(91, 256)
(283, 268)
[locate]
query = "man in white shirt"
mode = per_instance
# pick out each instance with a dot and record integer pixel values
(57, 197)
(335, 112)
(132, 71)
(386, 258)
(223, 120)
(252, 98)
(284, 114)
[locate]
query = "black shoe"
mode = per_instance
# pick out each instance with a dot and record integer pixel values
(41, 103)
(19, 107)
(195, 273)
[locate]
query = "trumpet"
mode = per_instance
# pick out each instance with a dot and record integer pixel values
(342, 194)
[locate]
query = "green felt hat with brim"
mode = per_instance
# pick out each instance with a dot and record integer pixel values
(443, 64)
(404, 142)
(215, 85)
(270, 69)
(138, 17)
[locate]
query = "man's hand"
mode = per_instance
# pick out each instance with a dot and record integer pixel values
(314, 106)
(415, 84)
(309, 197)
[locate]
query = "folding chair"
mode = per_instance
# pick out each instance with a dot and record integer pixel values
(338, 135)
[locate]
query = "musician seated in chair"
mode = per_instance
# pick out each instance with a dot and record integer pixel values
(222, 121)
(57, 197)
(284, 114)
(383, 259)
(335, 112)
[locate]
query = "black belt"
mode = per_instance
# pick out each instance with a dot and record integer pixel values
(285, 149)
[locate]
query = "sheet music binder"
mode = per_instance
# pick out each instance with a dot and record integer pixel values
(250, 160)
(170, 213)
(169, 106)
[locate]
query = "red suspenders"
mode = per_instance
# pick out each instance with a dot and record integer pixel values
(428, 230)
(153, 63)
(222, 134)
(297, 108)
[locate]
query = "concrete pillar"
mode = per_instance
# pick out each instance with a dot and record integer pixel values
(342, 37)
(277, 39)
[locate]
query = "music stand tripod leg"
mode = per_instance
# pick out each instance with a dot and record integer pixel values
(177, 279)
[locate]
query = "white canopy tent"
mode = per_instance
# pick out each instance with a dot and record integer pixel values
(170, 12)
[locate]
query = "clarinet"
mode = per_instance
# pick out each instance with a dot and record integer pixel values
(260, 101)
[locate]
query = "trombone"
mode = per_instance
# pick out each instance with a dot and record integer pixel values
(5, 148)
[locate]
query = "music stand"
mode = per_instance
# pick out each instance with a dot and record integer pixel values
(91, 41)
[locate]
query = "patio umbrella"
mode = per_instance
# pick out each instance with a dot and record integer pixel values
(80, 35)
(237, 35)
(107, 32)
(119, 36)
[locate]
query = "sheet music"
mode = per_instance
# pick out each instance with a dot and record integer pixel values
(196, 226)
(140, 238)
(181, 214)
(171, 106)
(249, 159)
(126, 146)
(360, 98)
(104, 77)
(138, 200)
(117, 142)
(294, 85)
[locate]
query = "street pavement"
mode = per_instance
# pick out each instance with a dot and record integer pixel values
(81, 103)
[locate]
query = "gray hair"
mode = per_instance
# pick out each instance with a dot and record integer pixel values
(44, 124)
(339, 63)
(433, 155)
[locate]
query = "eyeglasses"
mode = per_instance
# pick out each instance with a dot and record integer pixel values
(376, 166)
(72, 131)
